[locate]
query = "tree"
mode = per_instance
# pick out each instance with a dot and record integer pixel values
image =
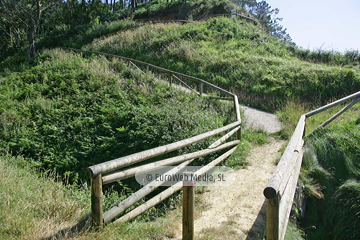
(245, 3)
(269, 20)
(24, 18)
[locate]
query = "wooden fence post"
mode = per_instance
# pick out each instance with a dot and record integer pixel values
(96, 201)
(238, 134)
(201, 88)
(188, 207)
(272, 219)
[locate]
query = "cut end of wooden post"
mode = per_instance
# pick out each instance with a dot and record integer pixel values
(188, 179)
(269, 192)
(89, 172)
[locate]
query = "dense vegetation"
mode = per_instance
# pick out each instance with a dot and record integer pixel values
(332, 166)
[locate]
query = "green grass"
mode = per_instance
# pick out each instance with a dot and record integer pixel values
(293, 232)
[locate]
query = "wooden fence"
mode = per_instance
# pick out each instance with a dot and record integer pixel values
(281, 187)
(112, 171)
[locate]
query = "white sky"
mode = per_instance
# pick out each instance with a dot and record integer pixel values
(325, 24)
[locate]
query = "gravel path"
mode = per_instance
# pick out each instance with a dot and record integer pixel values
(253, 117)
(261, 120)
(237, 210)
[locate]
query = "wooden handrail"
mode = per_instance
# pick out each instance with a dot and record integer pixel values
(171, 190)
(166, 162)
(282, 185)
(138, 157)
(128, 202)
(321, 109)
(282, 172)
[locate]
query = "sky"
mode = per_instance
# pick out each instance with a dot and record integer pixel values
(321, 24)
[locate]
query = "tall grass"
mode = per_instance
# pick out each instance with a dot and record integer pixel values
(81, 35)
(349, 58)
(32, 207)
(333, 166)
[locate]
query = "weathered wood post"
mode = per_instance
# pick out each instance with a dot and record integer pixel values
(96, 201)
(201, 88)
(272, 219)
(238, 117)
(188, 207)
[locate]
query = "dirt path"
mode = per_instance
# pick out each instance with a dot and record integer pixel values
(237, 211)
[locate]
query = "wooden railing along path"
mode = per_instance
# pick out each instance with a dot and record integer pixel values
(119, 169)
(279, 192)
(281, 187)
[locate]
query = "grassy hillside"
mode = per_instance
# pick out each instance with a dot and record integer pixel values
(237, 55)
(67, 112)
(192, 10)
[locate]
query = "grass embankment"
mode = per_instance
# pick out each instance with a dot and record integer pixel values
(239, 56)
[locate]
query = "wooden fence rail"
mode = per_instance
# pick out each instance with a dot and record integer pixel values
(111, 171)
(281, 187)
